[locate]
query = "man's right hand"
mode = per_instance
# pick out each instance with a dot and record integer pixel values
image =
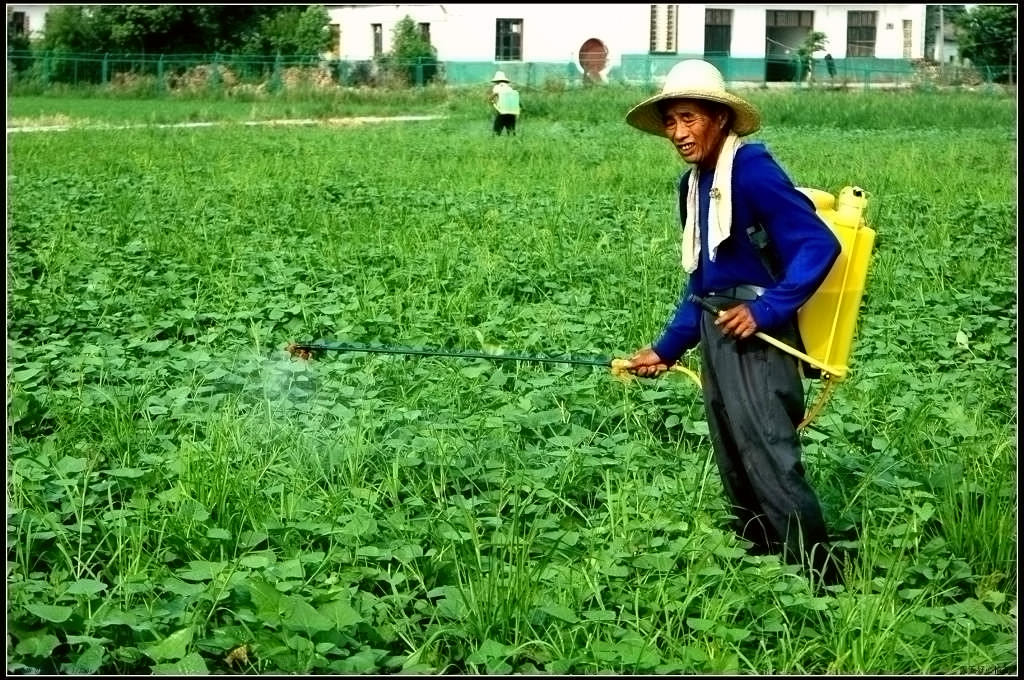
(646, 363)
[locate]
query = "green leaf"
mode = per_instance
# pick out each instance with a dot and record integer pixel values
(192, 664)
(156, 346)
(599, 615)
(68, 466)
(258, 560)
(341, 614)
(25, 374)
(86, 586)
(699, 624)
(37, 645)
(201, 570)
(300, 615)
(560, 612)
(88, 662)
(487, 651)
(217, 533)
(174, 646)
(130, 473)
(50, 612)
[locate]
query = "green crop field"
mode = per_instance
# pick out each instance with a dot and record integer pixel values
(184, 496)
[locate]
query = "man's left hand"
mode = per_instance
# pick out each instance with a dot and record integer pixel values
(737, 322)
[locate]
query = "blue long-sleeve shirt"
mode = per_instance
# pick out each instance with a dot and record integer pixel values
(803, 244)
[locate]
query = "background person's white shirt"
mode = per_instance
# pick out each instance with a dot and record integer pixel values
(506, 99)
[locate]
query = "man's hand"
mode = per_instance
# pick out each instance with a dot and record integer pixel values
(737, 321)
(646, 363)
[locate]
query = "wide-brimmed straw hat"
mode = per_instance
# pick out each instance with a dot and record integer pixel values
(499, 77)
(694, 79)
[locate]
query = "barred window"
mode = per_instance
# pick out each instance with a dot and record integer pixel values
(717, 31)
(861, 30)
(425, 31)
(508, 40)
(787, 18)
(663, 28)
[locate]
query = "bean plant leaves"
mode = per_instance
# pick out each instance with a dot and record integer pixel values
(190, 664)
(171, 648)
(50, 612)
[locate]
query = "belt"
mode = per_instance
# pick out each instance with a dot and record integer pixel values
(739, 292)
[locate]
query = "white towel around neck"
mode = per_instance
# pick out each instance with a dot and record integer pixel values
(720, 207)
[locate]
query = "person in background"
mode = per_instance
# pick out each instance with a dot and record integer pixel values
(753, 246)
(830, 64)
(505, 100)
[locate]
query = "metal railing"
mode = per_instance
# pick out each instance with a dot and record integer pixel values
(165, 73)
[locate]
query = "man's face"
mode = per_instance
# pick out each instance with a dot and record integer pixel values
(695, 129)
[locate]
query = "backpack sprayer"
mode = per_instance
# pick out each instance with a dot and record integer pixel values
(826, 322)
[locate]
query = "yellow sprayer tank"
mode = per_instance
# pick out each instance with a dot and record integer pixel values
(828, 319)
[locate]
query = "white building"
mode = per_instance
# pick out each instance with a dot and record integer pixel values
(602, 36)
(27, 20)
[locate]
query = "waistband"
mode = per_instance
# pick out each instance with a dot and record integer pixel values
(739, 292)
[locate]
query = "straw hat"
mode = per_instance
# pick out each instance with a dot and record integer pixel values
(499, 77)
(694, 79)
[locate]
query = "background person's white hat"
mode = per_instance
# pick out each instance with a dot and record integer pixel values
(694, 79)
(499, 77)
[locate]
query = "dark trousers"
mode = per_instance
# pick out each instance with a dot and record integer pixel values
(753, 397)
(505, 121)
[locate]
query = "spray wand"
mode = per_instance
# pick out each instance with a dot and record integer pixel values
(619, 367)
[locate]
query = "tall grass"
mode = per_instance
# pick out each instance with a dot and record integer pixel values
(815, 108)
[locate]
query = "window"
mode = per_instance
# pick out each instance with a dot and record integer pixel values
(508, 40)
(663, 28)
(717, 31)
(860, 34)
(378, 39)
(425, 31)
(789, 18)
(907, 25)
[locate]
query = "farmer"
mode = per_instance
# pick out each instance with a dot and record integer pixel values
(505, 100)
(734, 198)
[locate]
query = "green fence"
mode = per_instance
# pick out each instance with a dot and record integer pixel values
(165, 72)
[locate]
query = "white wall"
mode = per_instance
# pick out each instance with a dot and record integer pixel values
(748, 33)
(466, 32)
(555, 31)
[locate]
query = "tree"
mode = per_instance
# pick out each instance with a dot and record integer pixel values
(70, 28)
(988, 37)
(292, 30)
(169, 29)
(411, 53)
(813, 42)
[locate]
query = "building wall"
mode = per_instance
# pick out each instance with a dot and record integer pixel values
(466, 32)
(749, 26)
(555, 32)
(36, 16)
